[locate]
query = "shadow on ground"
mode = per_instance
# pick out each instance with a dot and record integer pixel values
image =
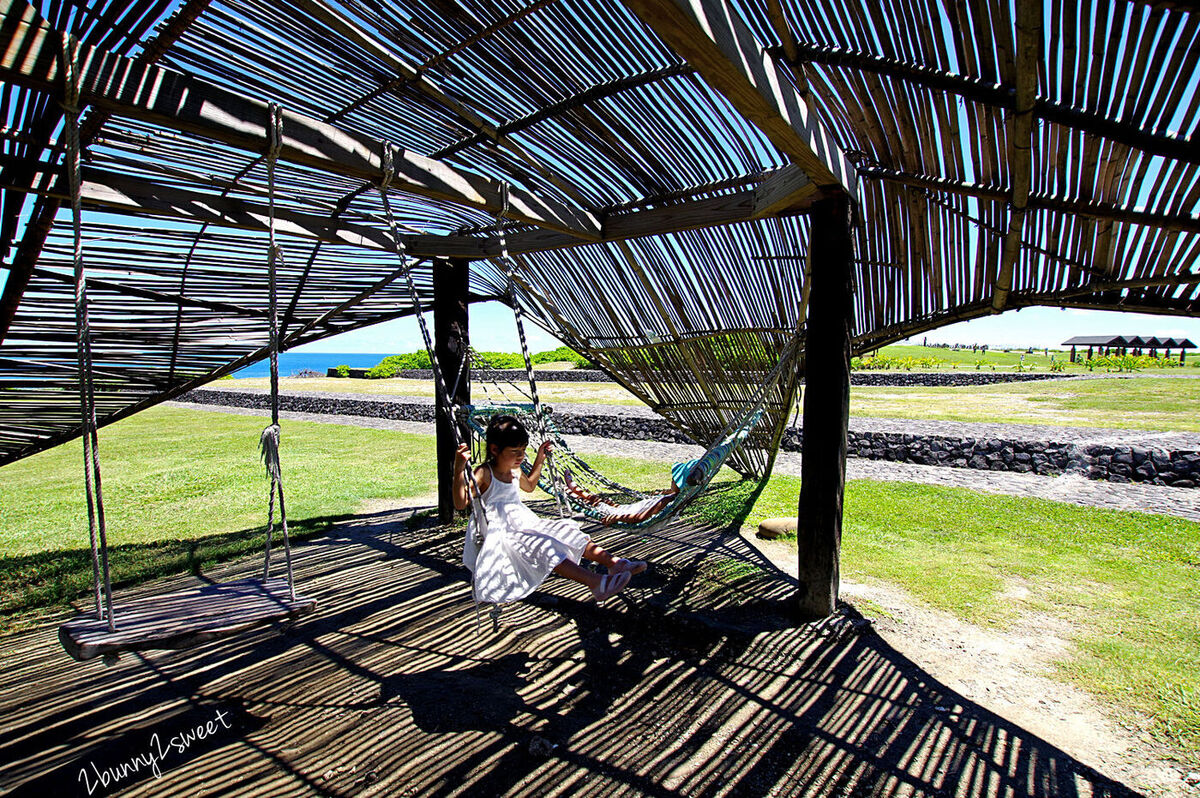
(696, 681)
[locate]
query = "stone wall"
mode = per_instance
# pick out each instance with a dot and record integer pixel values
(868, 378)
(946, 378)
(1179, 469)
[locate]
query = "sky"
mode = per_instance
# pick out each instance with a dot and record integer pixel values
(493, 330)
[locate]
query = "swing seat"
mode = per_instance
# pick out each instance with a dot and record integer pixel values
(183, 619)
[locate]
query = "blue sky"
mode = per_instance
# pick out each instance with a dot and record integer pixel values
(493, 329)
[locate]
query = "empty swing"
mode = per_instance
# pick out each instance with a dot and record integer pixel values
(188, 617)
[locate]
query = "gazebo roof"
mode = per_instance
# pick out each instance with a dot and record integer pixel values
(650, 163)
(1129, 340)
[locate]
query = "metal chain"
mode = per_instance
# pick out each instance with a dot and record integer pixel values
(451, 409)
(518, 316)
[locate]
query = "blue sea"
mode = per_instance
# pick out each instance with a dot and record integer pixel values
(293, 362)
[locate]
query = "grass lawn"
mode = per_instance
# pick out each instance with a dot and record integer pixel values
(1117, 402)
(185, 488)
(1127, 583)
(1001, 360)
(606, 393)
(1147, 403)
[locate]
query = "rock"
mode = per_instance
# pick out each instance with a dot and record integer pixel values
(772, 528)
(1192, 778)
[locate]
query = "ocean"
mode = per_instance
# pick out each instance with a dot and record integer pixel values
(292, 362)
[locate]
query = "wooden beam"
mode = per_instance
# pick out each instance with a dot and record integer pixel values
(121, 85)
(711, 37)
(45, 211)
(1020, 143)
(786, 190)
(1041, 202)
(112, 191)
(826, 408)
(993, 94)
(451, 295)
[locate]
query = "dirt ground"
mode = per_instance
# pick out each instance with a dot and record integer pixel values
(1008, 673)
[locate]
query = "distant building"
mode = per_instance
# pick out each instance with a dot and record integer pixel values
(1122, 344)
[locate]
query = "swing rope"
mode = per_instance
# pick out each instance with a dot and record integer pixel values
(97, 529)
(451, 410)
(518, 316)
(269, 440)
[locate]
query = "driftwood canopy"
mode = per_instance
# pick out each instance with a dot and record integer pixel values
(651, 164)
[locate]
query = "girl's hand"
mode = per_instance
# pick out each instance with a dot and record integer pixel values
(462, 456)
(545, 448)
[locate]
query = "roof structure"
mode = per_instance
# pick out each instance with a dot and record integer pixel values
(649, 163)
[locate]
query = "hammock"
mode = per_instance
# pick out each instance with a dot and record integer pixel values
(702, 473)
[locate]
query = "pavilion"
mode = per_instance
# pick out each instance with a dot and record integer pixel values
(683, 187)
(1123, 343)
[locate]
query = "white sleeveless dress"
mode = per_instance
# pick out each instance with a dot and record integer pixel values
(520, 549)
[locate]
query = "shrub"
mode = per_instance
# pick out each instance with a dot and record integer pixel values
(501, 360)
(343, 371)
(393, 364)
(907, 363)
(564, 354)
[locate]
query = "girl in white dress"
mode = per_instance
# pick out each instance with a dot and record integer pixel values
(520, 549)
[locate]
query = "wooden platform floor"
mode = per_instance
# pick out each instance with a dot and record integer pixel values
(695, 682)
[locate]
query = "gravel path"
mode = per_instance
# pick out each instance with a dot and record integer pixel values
(951, 429)
(1180, 502)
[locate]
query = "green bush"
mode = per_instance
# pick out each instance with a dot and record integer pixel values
(879, 362)
(391, 365)
(343, 371)
(501, 360)
(1121, 363)
(564, 354)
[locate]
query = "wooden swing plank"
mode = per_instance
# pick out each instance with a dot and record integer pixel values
(184, 618)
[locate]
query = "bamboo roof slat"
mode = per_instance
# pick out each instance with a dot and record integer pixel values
(993, 167)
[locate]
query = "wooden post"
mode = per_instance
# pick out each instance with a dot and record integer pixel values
(450, 334)
(826, 406)
(1072, 354)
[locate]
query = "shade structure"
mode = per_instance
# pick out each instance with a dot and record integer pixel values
(649, 163)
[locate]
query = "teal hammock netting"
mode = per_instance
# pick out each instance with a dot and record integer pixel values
(539, 419)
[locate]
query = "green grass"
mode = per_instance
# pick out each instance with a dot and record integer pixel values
(183, 489)
(1126, 582)
(1148, 403)
(1001, 360)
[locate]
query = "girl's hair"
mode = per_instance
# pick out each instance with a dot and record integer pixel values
(503, 432)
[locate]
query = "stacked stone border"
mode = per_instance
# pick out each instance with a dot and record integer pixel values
(864, 378)
(1180, 469)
